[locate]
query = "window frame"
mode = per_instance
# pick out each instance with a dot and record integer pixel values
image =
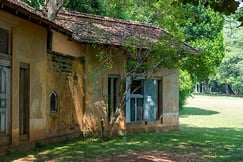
(9, 52)
(24, 99)
(114, 81)
(53, 107)
(131, 96)
(49, 40)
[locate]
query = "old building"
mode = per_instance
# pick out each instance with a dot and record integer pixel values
(52, 85)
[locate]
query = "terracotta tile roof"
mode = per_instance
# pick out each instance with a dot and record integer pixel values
(96, 29)
(93, 28)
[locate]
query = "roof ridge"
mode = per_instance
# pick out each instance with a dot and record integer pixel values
(120, 31)
(99, 17)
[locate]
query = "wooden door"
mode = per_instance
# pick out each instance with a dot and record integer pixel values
(4, 97)
(24, 93)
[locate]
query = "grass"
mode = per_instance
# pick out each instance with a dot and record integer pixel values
(210, 126)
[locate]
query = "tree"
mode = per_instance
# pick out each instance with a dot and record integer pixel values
(141, 63)
(186, 87)
(35, 3)
(166, 14)
(227, 7)
(53, 7)
(85, 6)
(230, 73)
(204, 32)
(118, 9)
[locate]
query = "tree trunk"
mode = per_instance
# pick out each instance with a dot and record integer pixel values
(53, 7)
(227, 88)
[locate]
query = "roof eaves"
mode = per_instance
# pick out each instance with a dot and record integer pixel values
(86, 29)
(24, 11)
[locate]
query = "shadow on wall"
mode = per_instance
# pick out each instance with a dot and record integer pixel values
(75, 86)
(196, 111)
(88, 119)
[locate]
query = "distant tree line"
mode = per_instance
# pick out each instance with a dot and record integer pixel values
(228, 78)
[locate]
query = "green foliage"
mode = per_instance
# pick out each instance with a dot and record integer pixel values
(224, 6)
(204, 32)
(186, 87)
(230, 71)
(166, 14)
(85, 6)
(165, 54)
(197, 24)
(34, 3)
(138, 9)
(105, 58)
(239, 15)
(116, 8)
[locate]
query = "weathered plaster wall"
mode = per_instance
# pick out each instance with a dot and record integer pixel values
(171, 98)
(97, 84)
(65, 45)
(66, 77)
(95, 79)
(29, 47)
(81, 85)
(96, 94)
(68, 86)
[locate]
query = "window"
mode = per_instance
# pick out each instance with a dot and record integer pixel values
(53, 102)
(160, 99)
(49, 40)
(113, 94)
(144, 99)
(136, 87)
(24, 93)
(4, 41)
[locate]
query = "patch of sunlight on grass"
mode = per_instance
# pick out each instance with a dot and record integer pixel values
(133, 143)
(213, 112)
(27, 158)
(212, 128)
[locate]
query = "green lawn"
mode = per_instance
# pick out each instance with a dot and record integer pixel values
(210, 126)
(218, 126)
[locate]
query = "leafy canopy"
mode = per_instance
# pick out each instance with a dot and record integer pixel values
(203, 30)
(230, 72)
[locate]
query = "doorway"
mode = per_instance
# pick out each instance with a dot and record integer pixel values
(4, 97)
(24, 94)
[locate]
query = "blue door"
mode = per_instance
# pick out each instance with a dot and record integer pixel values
(141, 103)
(150, 100)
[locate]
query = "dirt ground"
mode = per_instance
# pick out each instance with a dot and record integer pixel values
(150, 156)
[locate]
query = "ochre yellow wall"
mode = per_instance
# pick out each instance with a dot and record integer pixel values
(80, 81)
(28, 45)
(70, 93)
(65, 45)
(96, 85)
